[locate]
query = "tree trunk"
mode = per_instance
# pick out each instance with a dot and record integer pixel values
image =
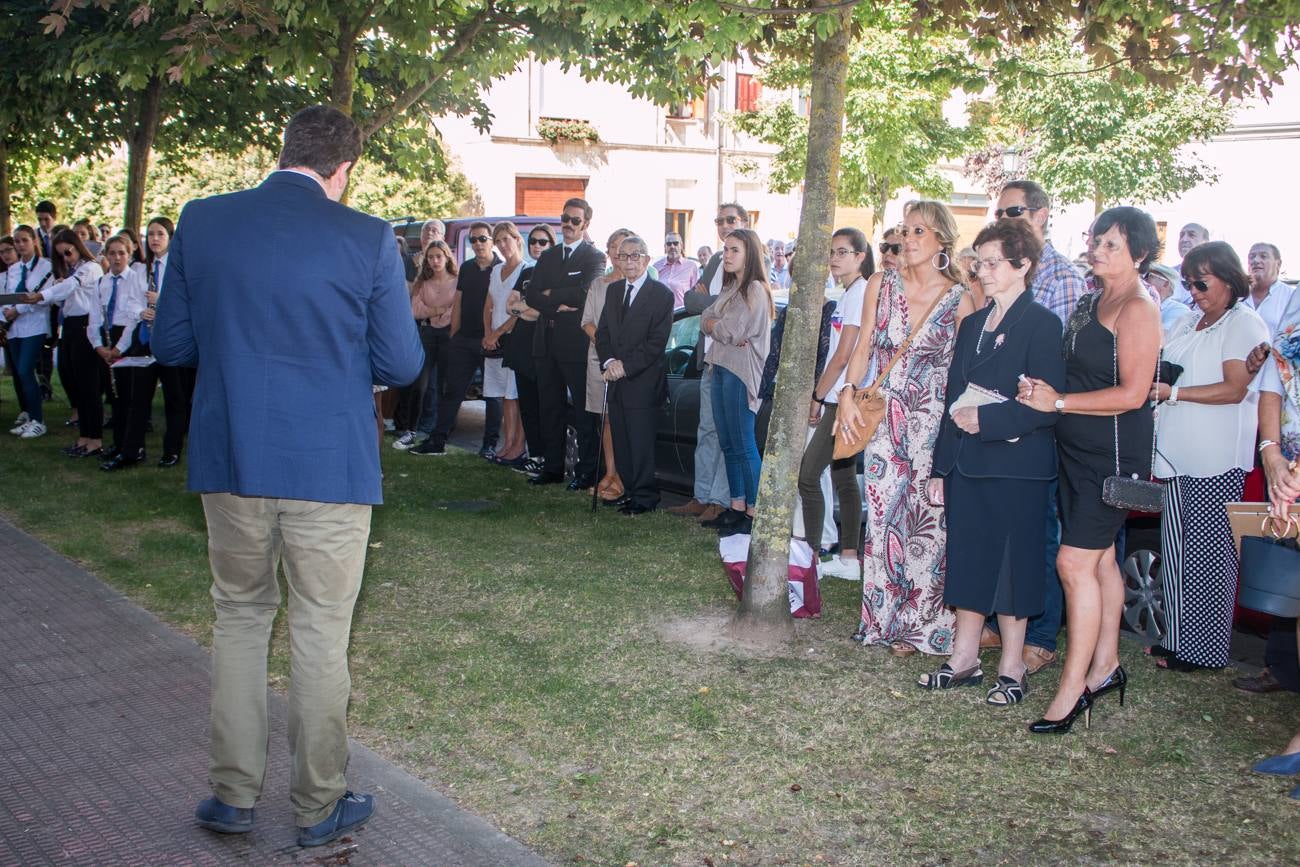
(139, 146)
(6, 216)
(343, 75)
(1098, 204)
(765, 601)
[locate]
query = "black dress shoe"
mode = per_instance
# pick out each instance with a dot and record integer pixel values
(121, 462)
(724, 519)
(72, 451)
(635, 509)
(546, 479)
(111, 452)
(89, 453)
(619, 503)
(169, 460)
(581, 484)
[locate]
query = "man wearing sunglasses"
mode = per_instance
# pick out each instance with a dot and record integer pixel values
(558, 290)
(676, 271)
(712, 494)
(1058, 286)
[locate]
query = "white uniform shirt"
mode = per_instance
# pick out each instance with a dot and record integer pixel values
(75, 291)
(1274, 303)
(33, 319)
(126, 310)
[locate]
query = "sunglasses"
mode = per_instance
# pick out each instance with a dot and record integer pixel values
(479, 239)
(891, 249)
(539, 242)
(672, 243)
(570, 221)
(726, 221)
(1013, 211)
(66, 252)
(1199, 285)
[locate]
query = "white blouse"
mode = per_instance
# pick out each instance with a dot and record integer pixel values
(1203, 440)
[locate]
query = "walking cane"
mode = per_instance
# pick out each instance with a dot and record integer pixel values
(600, 448)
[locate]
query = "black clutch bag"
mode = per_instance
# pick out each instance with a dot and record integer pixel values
(1168, 372)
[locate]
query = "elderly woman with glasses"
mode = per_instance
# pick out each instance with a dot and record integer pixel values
(1204, 448)
(994, 462)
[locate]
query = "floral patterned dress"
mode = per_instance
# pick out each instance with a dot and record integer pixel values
(903, 558)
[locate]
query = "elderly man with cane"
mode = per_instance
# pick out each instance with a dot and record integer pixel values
(630, 341)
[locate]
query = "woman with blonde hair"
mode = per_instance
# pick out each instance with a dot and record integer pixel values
(909, 320)
(498, 323)
(432, 293)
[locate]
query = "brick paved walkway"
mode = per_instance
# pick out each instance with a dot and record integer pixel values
(103, 711)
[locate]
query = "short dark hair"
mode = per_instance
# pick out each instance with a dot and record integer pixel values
(1018, 242)
(858, 241)
(1221, 260)
(1035, 196)
(479, 224)
(1277, 254)
(320, 138)
(739, 209)
(1138, 230)
(576, 202)
(47, 207)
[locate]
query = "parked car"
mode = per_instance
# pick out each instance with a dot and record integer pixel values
(457, 235)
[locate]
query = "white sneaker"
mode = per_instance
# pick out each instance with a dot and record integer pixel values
(32, 430)
(389, 427)
(405, 441)
(848, 570)
(20, 423)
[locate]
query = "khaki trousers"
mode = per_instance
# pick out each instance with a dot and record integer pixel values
(323, 548)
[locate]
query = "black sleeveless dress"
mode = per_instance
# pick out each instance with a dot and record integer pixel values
(1086, 443)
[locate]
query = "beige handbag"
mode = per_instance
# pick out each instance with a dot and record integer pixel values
(871, 402)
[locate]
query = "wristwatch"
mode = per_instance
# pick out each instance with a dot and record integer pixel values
(1060, 404)
(1173, 396)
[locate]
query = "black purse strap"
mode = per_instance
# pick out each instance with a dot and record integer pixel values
(1114, 366)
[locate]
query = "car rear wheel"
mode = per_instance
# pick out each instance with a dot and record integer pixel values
(1144, 604)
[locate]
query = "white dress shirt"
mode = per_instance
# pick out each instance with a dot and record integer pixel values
(74, 291)
(33, 319)
(126, 311)
(633, 288)
(1274, 303)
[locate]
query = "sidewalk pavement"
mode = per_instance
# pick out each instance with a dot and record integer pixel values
(103, 745)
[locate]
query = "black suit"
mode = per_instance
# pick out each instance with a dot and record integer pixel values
(560, 347)
(637, 338)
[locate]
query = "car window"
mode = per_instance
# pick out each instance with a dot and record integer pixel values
(686, 332)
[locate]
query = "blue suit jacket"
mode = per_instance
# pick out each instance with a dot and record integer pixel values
(291, 306)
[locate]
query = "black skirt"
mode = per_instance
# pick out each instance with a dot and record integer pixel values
(997, 544)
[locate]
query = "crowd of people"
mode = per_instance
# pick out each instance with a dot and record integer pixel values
(1020, 394)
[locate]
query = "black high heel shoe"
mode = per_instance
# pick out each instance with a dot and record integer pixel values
(1117, 680)
(1047, 726)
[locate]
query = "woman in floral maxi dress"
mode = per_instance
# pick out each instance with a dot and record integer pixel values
(903, 556)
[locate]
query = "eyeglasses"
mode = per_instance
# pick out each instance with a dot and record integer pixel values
(539, 242)
(570, 221)
(986, 264)
(842, 251)
(1199, 285)
(479, 239)
(727, 221)
(891, 249)
(1013, 211)
(628, 257)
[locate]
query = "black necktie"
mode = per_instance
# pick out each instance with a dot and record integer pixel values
(627, 299)
(564, 257)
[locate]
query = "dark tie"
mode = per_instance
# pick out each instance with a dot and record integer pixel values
(22, 278)
(112, 306)
(627, 299)
(564, 257)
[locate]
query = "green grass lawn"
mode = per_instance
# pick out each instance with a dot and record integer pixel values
(516, 658)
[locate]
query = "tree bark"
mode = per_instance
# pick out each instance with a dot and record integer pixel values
(6, 215)
(765, 600)
(139, 146)
(343, 75)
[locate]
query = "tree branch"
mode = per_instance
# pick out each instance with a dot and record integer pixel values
(786, 11)
(462, 43)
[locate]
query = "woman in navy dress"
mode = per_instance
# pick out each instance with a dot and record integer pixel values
(994, 462)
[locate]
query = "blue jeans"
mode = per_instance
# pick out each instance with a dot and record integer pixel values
(735, 422)
(710, 470)
(26, 352)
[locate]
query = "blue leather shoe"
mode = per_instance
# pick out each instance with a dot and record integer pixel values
(1282, 766)
(215, 815)
(350, 811)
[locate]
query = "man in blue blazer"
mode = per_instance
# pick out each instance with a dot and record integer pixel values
(291, 305)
